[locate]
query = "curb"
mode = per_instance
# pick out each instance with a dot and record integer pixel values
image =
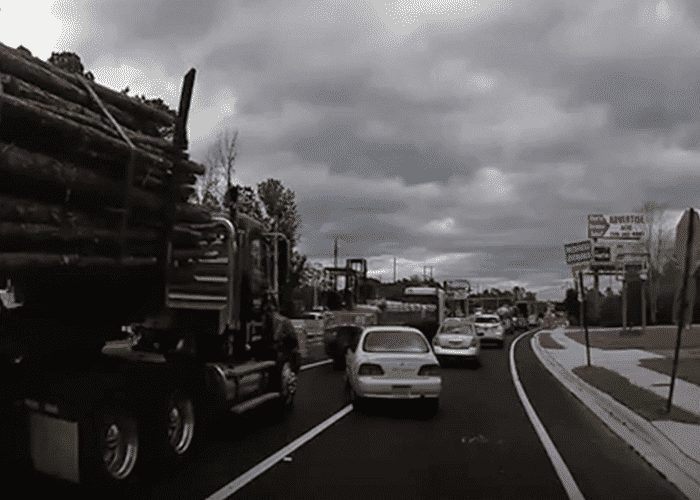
(647, 440)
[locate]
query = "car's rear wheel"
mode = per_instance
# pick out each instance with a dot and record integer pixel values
(359, 403)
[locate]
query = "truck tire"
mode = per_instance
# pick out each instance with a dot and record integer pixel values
(288, 385)
(180, 422)
(173, 429)
(111, 458)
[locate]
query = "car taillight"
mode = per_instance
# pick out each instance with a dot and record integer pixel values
(436, 340)
(370, 369)
(429, 370)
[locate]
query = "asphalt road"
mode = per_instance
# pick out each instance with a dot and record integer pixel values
(480, 445)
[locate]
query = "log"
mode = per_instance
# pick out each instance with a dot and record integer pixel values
(159, 149)
(192, 213)
(112, 150)
(147, 144)
(25, 90)
(12, 232)
(15, 209)
(181, 254)
(69, 86)
(13, 261)
(40, 172)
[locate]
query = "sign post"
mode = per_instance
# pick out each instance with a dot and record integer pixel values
(686, 253)
(579, 256)
(584, 318)
(643, 276)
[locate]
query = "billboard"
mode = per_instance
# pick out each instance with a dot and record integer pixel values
(616, 226)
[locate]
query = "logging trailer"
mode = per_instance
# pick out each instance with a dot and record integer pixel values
(98, 238)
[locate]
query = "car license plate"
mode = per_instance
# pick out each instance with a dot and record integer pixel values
(403, 390)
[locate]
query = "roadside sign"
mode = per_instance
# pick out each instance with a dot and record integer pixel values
(602, 253)
(457, 284)
(682, 242)
(609, 254)
(616, 226)
(579, 252)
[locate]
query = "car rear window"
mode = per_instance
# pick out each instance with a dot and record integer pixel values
(487, 320)
(395, 341)
(460, 329)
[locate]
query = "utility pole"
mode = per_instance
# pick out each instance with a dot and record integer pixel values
(644, 304)
(596, 287)
(394, 269)
(335, 252)
(584, 322)
(624, 299)
(335, 264)
(276, 270)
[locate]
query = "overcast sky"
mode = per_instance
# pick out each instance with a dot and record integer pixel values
(473, 136)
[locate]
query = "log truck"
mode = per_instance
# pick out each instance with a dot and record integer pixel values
(112, 364)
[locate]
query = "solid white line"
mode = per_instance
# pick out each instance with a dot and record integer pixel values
(270, 461)
(314, 365)
(567, 480)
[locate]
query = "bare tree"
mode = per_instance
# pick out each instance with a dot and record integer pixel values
(658, 245)
(219, 161)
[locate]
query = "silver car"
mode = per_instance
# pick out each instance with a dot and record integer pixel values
(489, 329)
(457, 340)
(393, 362)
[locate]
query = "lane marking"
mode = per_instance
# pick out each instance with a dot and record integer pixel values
(567, 480)
(269, 462)
(314, 365)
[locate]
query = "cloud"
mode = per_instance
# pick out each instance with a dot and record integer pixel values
(475, 135)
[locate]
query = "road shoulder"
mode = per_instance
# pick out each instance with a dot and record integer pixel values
(647, 439)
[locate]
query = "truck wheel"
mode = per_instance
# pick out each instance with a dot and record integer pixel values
(111, 460)
(288, 385)
(287, 388)
(171, 430)
(180, 424)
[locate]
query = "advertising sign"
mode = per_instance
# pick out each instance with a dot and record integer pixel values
(616, 226)
(579, 252)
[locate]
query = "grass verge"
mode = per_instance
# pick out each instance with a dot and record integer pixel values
(655, 338)
(688, 368)
(641, 401)
(548, 342)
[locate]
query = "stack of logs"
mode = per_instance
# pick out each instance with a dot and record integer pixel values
(89, 177)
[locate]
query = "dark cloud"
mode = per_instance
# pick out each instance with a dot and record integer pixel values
(477, 141)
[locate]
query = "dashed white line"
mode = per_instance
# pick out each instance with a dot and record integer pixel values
(567, 480)
(314, 365)
(276, 457)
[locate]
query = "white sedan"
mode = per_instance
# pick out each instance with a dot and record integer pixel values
(489, 328)
(456, 339)
(393, 362)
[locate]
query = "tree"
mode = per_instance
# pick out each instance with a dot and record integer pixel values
(658, 244)
(219, 162)
(571, 305)
(279, 204)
